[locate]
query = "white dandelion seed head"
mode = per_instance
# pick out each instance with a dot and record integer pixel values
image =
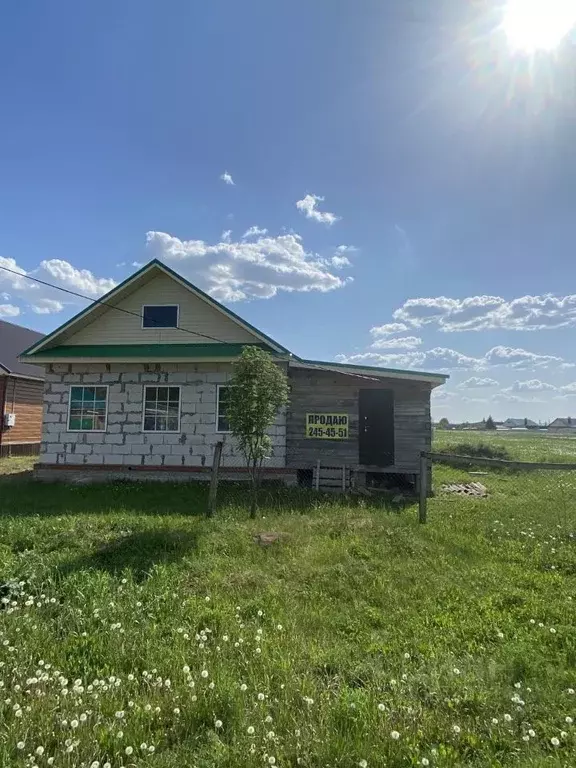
(261, 697)
(218, 724)
(569, 720)
(508, 718)
(363, 764)
(250, 730)
(494, 721)
(243, 687)
(456, 728)
(129, 750)
(554, 741)
(531, 732)
(425, 761)
(394, 735)
(381, 708)
(204, 673)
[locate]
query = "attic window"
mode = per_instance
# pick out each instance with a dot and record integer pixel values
(160, 316)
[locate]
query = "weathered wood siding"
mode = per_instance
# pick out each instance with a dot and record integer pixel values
(326, 392)
(24, 397)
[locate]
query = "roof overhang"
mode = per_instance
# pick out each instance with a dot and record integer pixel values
(366, 371)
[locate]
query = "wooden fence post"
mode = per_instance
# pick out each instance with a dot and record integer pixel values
(214, 478)
(423, 487)
(317, 483)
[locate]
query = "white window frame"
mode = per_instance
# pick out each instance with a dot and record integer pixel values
(162, 431)
(96, 386)
(220, 431)
(161, 327)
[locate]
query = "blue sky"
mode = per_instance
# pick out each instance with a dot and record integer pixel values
(445, 158)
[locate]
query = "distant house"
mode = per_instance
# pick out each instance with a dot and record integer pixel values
(21, 393)
(563, 425)
(519, 424)
(136, 385)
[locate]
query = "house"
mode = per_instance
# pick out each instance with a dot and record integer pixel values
(21, 393)
(136, 386)
(519, 424)
(563, 426)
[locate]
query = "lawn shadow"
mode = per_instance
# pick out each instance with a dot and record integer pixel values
(138, 552)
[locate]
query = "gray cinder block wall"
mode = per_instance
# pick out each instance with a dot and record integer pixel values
(124, 442)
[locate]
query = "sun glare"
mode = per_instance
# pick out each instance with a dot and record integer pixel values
(532, 25)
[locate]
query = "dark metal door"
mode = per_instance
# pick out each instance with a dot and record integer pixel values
(376, 427)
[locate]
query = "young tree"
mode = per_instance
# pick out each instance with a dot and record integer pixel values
(443, 423)
(489, 423)
(259, 389)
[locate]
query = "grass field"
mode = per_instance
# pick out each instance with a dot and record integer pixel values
(523, 446)
(145, 635)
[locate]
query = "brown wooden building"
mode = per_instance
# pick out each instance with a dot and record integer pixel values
(21, 393)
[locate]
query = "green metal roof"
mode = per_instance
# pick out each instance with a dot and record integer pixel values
(168, 351)
(372, 368)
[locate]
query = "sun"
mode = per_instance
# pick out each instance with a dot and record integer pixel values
(532, 25)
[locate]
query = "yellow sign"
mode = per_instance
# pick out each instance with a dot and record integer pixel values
(327, 426)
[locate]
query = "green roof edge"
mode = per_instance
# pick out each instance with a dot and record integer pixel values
(373, 368)
(174, 274)
(149, 350)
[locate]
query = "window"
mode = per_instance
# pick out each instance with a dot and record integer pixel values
(161, 409)
(222, 424)
(87, 410)
(160, 316)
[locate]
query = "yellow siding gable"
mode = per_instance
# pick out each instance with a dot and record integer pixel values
(114, 327)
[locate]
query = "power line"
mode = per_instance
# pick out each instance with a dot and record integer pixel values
(105, 304)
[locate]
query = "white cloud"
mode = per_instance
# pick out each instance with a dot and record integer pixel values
(443, 359)
(569, 389)
(247, 269)
(308, 206)
(47, 306)
(254, 232)
(508, 397)
(9, 310)
(339, 262)
(475, 383)
(389, 329)
(226, 235)
(81, 280)
(476, 313)
(403, 342)
(55, 271)
(226, 178)
(530, 385)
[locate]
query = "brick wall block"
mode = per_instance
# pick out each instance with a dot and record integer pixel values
(113, 439)
(92, 378)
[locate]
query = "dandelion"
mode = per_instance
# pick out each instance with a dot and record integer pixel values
(20, 745)
(554, 741)
(268, 719)
(250, 730)
(569, 720)
(119, 714)
(120, 735)
(531, 733)
(186, 669)
(456, 729)
(147, 707)
(207, 598)
(570, 691)
(456, 671)
(129, 750)
(425, 761)
(500, 635)
(270, 735)
(363, 764)
(176, 710)
(211, 685)
(74, 723)
(552, 631)
(83, 717)
(204, 673)
(563, 734)
(395, 735)
(39, 751)
(50, 761)
(107, 765)
(95, 764)
(218, 724)
(243, 687)
(526, 737)
(494, 721)
(508, 718)
(381, 708)
(143, 746)
(151, 749)
(271, 760)
(517, 685)
(406, 656)
(260, 613)
(261, 697)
